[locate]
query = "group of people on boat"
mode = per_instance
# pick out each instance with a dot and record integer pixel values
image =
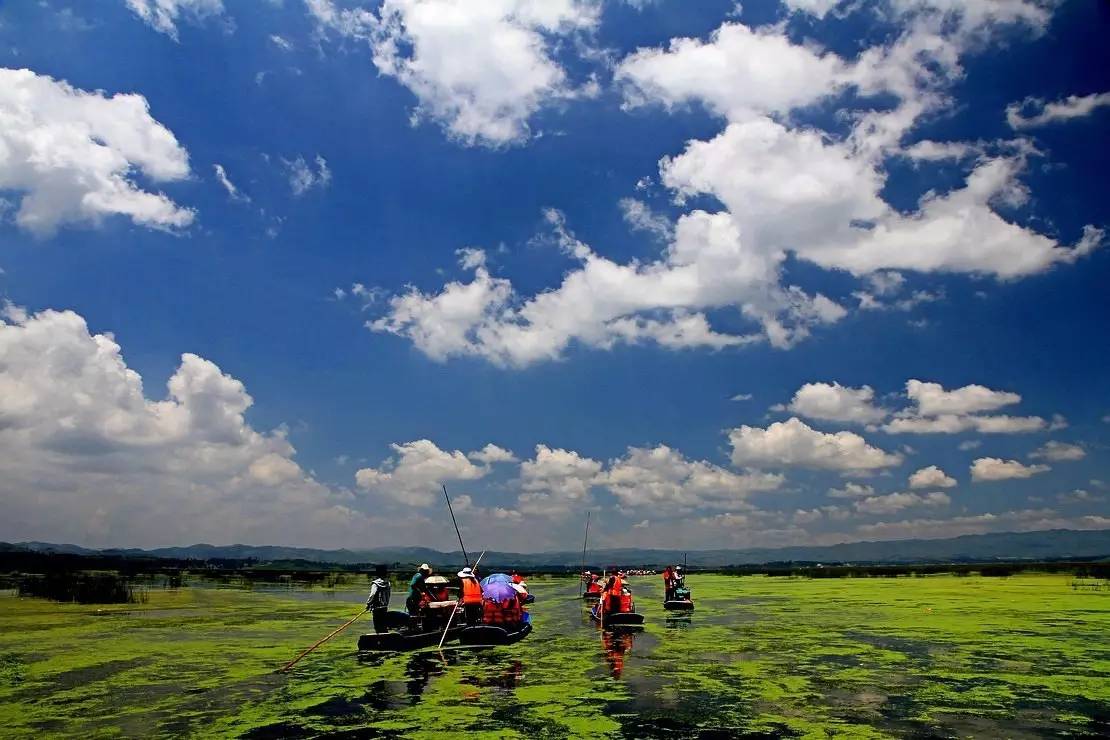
(499, 600)
(674, 582)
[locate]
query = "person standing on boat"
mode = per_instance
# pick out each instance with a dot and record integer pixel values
(613, 590)
(418, 591)
(377, 603)
(679, 580)
(471, 596)
(668, 583)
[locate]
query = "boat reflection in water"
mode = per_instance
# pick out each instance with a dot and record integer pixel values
(485, 670)
(616, 645)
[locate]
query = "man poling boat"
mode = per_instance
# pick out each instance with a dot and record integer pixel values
(616, 609)
(676, 596)
(593, 586)
(430, 615)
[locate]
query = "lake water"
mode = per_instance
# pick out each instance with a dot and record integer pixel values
(940, 656)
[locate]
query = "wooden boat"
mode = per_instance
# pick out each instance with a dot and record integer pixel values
(405, 633)
(492, 634)
(619, 619)
(399, 641)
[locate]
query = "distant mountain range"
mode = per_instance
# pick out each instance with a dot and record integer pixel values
(1054, 544)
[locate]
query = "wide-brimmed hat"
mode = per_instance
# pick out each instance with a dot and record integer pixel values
(425, 566)
(466, 573)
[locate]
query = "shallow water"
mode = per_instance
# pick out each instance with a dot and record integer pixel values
(941, 656)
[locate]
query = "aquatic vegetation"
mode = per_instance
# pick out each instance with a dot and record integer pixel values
(861, 657)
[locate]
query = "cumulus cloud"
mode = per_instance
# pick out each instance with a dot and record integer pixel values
(71, 155)
(89, 458)
(414, 474)
(510, 70)
(662, 476)
(739, 72)
(851, 490)
(939, 411)
(834, 402)
(893, 502)
(993, 468)
(1034, 112)
(164, 15)
(491, 453)
(556, 482)
(603, 303)
(785, 189)
(792, 443)
(1058, 452)
(931, 477)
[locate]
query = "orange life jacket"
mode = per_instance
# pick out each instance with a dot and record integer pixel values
(617, 585)
(471, 591)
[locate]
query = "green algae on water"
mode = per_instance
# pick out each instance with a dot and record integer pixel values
(855, 657)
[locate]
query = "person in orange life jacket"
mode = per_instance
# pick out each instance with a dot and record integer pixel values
(613, 591)
(517, 578)
(668, 585)
(471, 596)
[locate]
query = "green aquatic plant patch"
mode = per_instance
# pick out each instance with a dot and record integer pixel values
(1025, 655)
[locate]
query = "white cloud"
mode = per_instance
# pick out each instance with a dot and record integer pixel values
(281, 42)
(556, 482)
(739, 72)
(933, 400)
(1033, 112)
(1025, 520)
(663, 477)
(303, 178)
(851, 490)
(640, 217)
(233, 192)
(816, 8)
(969, 444)
(602, 303)
(993, 468)
(741, 397)
(786, 189)
(1058, 452)
(71, 155)
(791, 443)
(931, 477)
(481, 70)
(164, 15)
(491, 453)
(418, 469)
(836, 403)
(90, 459)
(893, 502)
(939, 411)
(927, 150)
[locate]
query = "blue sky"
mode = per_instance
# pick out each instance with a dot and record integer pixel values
(779, 273)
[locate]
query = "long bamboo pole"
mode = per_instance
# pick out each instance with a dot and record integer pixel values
(293, 662)
(466, 558)
(582, 570)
